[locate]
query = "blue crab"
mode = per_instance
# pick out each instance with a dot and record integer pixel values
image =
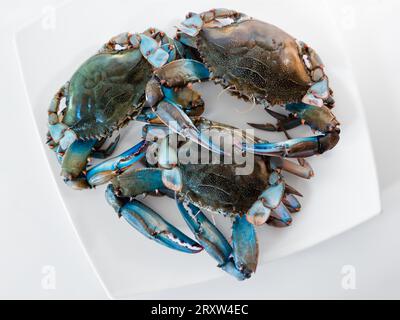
(249, 200)
(105, 93)
(259, 62)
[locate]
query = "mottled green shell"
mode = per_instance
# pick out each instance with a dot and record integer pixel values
(217, 187)
(105, 92)
(256, 60)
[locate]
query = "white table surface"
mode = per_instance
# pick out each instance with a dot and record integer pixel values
(35, 231)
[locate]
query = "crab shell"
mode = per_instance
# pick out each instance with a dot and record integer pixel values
(219, 189)
(106, 92)
(258, 61)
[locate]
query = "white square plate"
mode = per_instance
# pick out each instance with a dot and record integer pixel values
(343, 194)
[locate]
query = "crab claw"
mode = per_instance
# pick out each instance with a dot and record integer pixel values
(206, 233)
(75, 158)
(179, 122)
(181, 72)
(280, 216)
(218, 247)
(295, 148)
(107, 170)
(151, 224)
(245, 246)
(318, 118)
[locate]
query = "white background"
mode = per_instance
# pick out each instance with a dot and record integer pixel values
(35, 231)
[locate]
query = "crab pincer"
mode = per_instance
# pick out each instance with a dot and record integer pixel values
(151, 224)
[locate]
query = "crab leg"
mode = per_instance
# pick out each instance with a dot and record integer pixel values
(74, 160)
(194, 22)
(55, 106)
(284, 122)
(111, 168)
(245, 245)
(303, 171)
(290, 190)
(105, 171)
(150, 223)
(157, 53)
(135, 182)
(270, 206)
(105, 153)
(55, 147)
(239, 261)
(291, 203)
(317, 117)
(280, 216)
(179, 122)
(147, 115)
(189, 99)
(166, 104)
(295, 148)
(74, 163)
(71, 153)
